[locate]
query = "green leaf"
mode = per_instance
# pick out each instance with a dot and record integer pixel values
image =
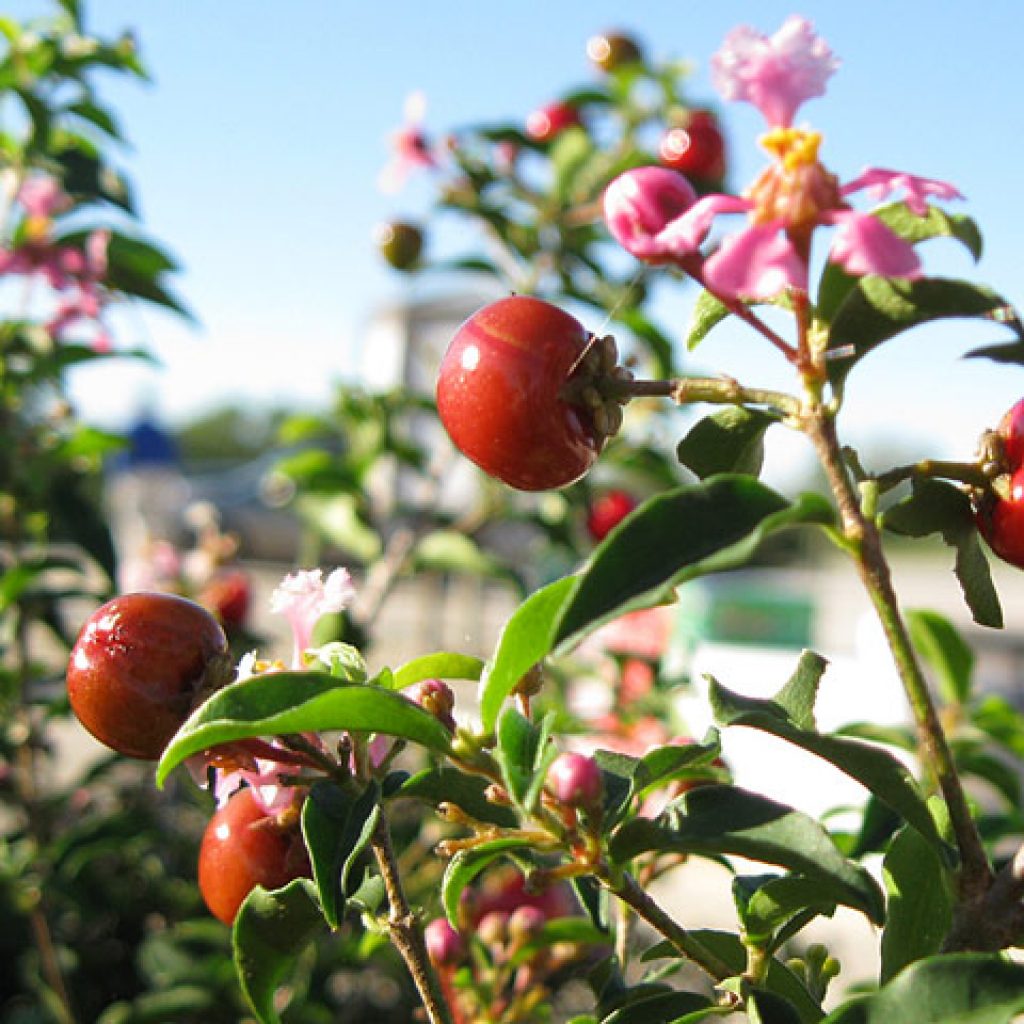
(523, 753)
(707, 313)
(875, 769)
(772, 902)
(663, 1007)
(438, 665)
(728, 820)
(336, 518)
(880, 308)
(960, 988)
(271, 929)
(467, 864)
(569, 152)
(729, 441)
(677, 536)
(278, 703)
(525, 640)
(936, 223)
(919, 892)
(936, 506)
(445, 784)
(730, 950)
(451, 551)
(940, 644)
(337, 830)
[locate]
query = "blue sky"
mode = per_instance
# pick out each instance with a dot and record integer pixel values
(257, 147)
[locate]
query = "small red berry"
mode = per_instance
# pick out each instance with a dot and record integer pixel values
(499, 394)
(607, 512)
(697, 150)
(244, 847)
(1011, 429)
(139, 665)
(1001, 521)
(575, 780)
(228, 595)
(549, 121)
(613, 50)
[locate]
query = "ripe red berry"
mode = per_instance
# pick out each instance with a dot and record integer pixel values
(607, 512)
(499, 394)
(400, 244)
(244, 847)
(697, 150)
(1011, 429)
(139, 665)
(1001, 521)
(551, 120)
(228, 595)
(613, 50)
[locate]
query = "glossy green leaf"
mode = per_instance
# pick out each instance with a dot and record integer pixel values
(728, 441)
(940, 644)
(337, 519)
(936, 223)
(525, 640)
(767, 903)
(728, 820)
(707, 313)
(730, 950)
(279, 703)
(445, 784)
(451, 551)
(677, 536)
(337, 830)
(875, 769)
(935, 506)
(663, 1007)
(467, 864)
(523, 753)
(952, 989)
(765, 1007)
(878, 309)
(438, 665)
(271, 929)
(919, 891)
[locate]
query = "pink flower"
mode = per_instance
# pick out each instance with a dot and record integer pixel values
(775, 74)
(864, 245)
(640, 203)
(879, 182)
(304, 597)
(410, 148)
(42, 197)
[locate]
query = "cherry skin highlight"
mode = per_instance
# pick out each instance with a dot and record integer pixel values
(499, 394)
(139, 665)
(244, 847)
(1011, 429)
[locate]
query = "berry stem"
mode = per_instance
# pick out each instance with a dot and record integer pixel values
(682, 390)
(965, 472)
(863, 542)
(405, 928)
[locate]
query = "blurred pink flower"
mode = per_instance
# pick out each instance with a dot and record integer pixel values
(42, 197)
(305, 597)
(410, 147)
(643, 633)
(639, 204)
(775, 74)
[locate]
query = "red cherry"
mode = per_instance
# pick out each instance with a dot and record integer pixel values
(499, 394)
(138, 667)
(1011, 429)
(698, 150)
(228, 595)
(607, 512)
(244, 847)
(551, 120)
(1001, 521)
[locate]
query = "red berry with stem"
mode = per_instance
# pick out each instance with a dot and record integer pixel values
(1001, 520)
(697, 149)
(243, 847)
(1011, 430)
(500, 395)
(549, 121)
(607, 512)
(139, 666)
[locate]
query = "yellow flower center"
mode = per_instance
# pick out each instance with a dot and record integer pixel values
(792, 147)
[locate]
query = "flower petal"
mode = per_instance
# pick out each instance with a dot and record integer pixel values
(685, 234)
(304, 597)
(757, 263)
(864, 245)
(640, 203)
(880, 181)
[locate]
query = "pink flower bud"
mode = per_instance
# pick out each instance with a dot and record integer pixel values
(435, 697)
(639, 204)
(575, 780)
(444, 944)
(524, 924)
